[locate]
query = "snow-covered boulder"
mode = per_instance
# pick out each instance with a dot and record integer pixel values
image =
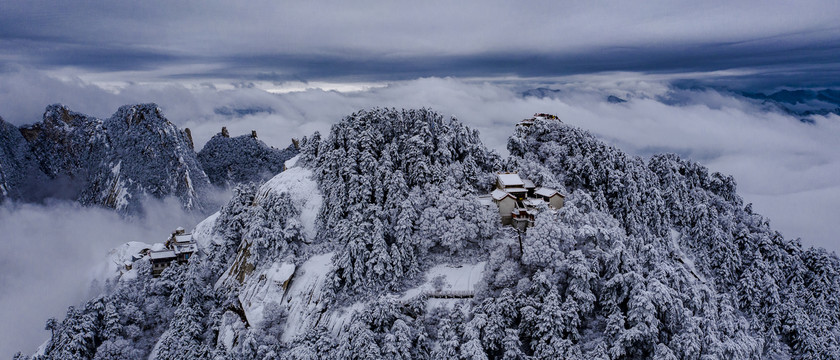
(268, 287)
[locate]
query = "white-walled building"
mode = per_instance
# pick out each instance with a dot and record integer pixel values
(506, 203)
(554, 198)
(518, 200)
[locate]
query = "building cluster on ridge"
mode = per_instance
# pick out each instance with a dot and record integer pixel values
(519, 200)
(537, 116)
(179, 247)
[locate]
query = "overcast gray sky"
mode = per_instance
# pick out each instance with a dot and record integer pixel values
(303, 65)
(376, 40)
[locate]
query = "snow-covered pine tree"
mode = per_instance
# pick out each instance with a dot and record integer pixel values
(372, 162)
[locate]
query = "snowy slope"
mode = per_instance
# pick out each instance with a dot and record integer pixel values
(203, 233)
(446, 279)
(297, 289)
(299, 183)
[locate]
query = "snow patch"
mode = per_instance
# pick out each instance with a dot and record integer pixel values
(156, 349)
(291, 162)
(446, 279)
(682, 258)
(231, 326)
(3, 192)
(299, 183)
(129, 275)
(203, 233)
(119, 192)
(42, 349)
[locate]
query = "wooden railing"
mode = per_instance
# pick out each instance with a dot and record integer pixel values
(449, 294)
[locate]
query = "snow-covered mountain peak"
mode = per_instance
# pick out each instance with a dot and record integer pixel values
(232, 160)
(61, 115)
(141, 113)
(653, 258)
(115, 163)
(156, 158)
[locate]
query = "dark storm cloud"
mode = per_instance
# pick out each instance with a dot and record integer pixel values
(790, 64)
(796, 65)
(104, 58)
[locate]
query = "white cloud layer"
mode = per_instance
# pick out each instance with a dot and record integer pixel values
(52, 252)
(789, 169)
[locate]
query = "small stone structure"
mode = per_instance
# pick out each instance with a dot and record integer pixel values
(537, 116)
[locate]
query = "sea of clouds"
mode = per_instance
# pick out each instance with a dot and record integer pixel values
(53, 256)
(788, 169)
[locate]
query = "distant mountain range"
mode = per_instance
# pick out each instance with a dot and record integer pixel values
(117, 162)
(798, 103)
(801, 102)
(542, 92)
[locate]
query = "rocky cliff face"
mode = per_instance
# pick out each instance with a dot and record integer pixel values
(66, 142)
(17, 164)
(148, 156)
(116, 162)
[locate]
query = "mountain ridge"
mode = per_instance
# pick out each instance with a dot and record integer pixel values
(647, 259)
(117, 162)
